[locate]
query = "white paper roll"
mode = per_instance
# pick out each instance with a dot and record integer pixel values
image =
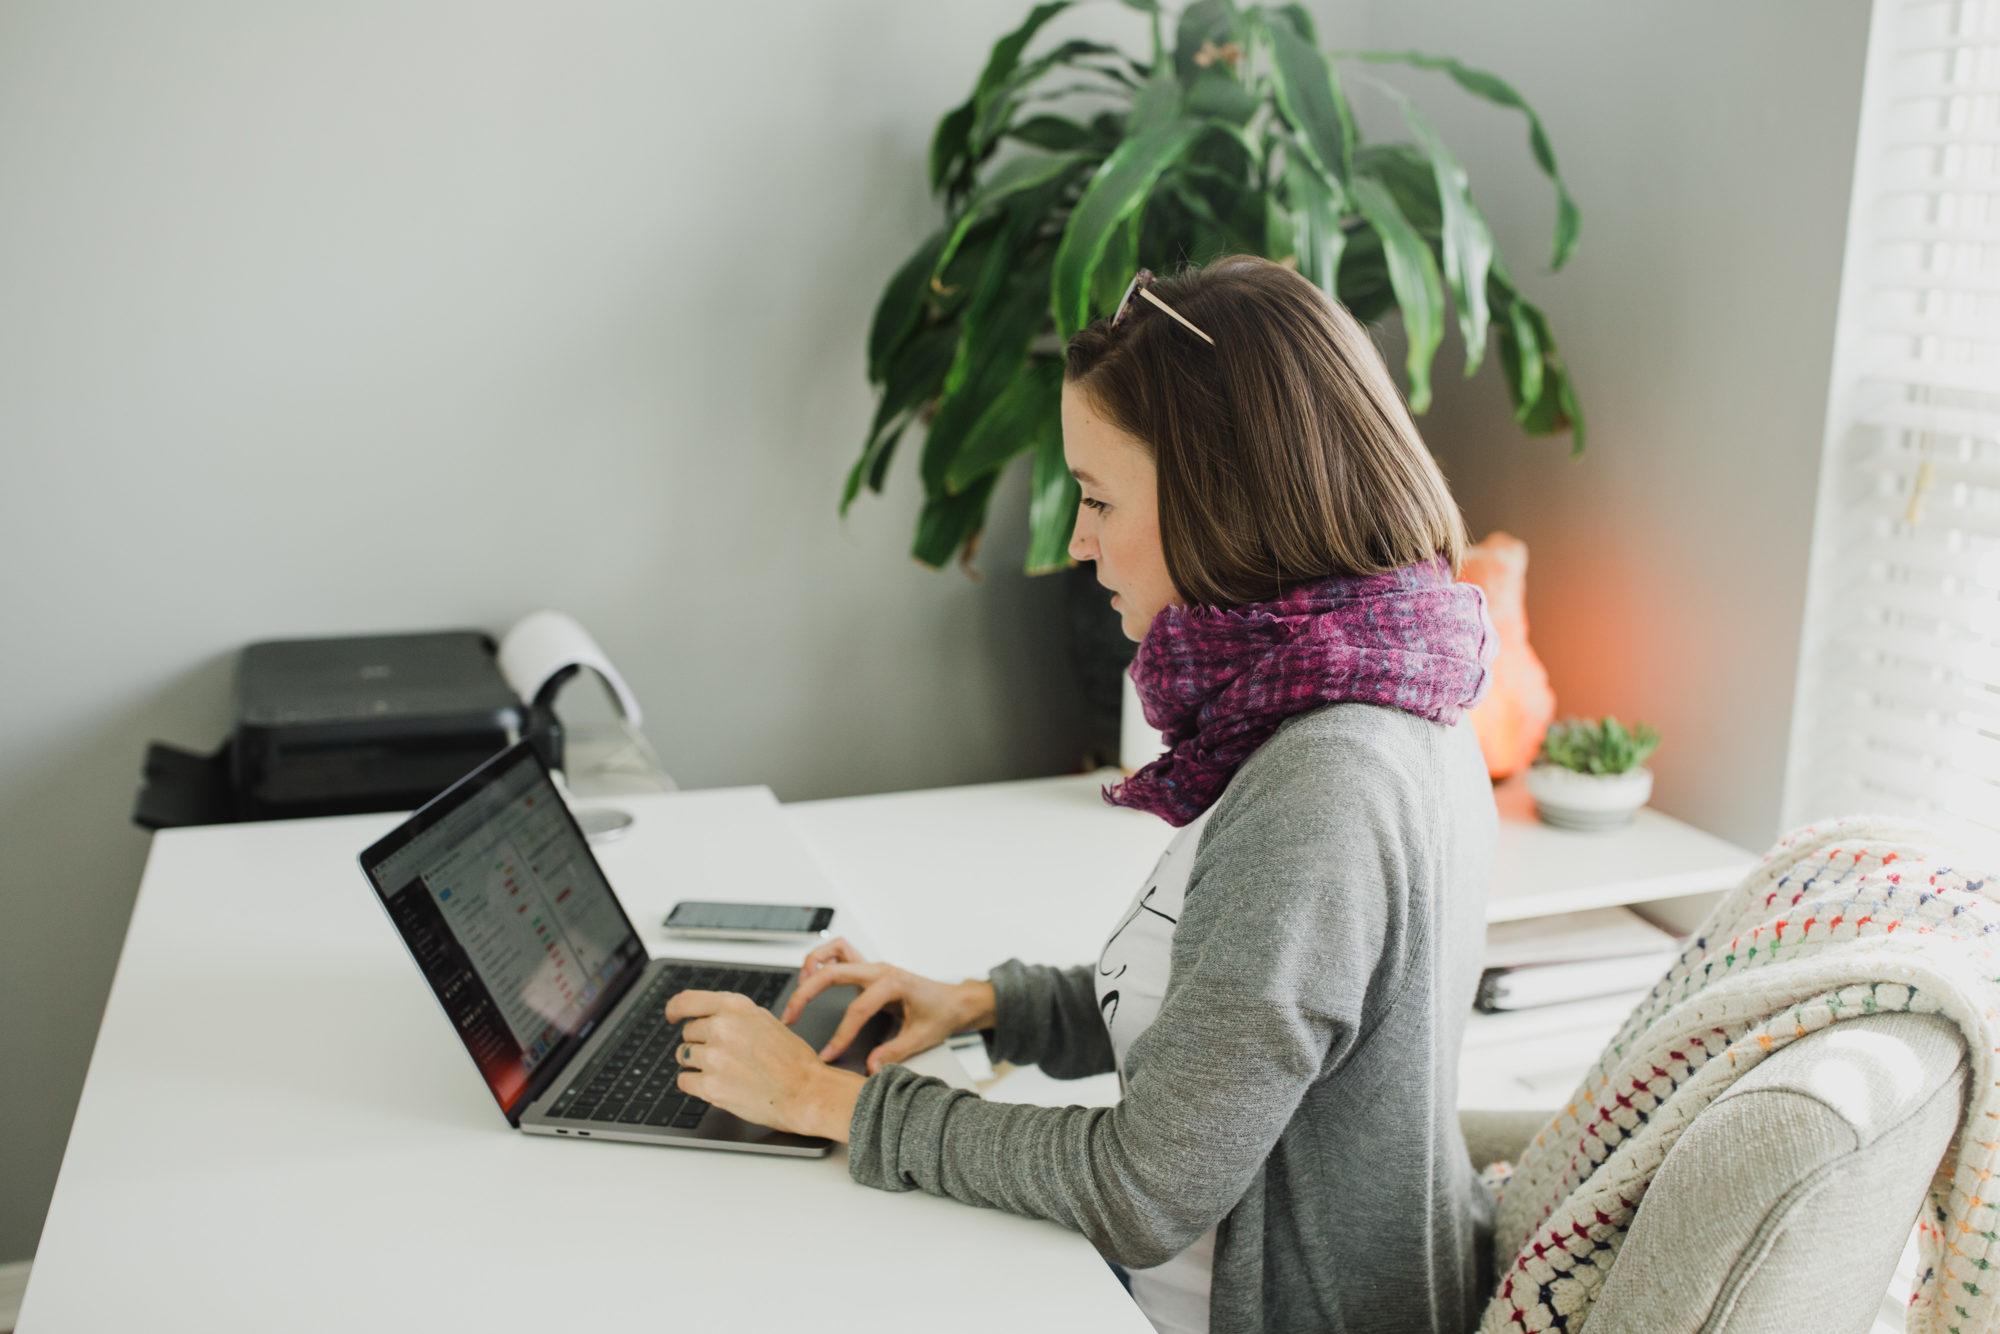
(543, 643)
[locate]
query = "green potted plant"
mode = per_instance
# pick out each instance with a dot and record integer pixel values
(1066, 170)
(1590, 773)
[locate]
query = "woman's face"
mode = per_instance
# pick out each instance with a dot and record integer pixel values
(1118, 523)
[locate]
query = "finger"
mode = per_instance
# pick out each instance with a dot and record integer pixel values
(901, 1047)
(688, 1055)
(691, 1081)
(699, 1030)
(693, 1004)
(837, 950)
(859, 1011)
(818, 957)
(833, 975)
(833, 952)
(911, 1037)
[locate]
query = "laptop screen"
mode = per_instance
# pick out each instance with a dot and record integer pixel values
(506, 912)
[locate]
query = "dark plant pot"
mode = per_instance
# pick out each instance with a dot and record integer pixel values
(1099, 653)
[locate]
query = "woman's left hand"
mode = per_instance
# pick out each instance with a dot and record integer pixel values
(736, 1055)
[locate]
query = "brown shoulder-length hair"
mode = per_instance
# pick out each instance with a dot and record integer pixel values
(1284, 452)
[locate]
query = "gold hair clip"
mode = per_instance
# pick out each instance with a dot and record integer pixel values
(1139, 285)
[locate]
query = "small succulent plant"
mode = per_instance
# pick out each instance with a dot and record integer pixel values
(1605, 746)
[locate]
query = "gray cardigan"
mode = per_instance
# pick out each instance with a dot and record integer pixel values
(1300, 1083)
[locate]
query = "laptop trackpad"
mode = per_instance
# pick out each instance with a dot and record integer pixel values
(823, 1015)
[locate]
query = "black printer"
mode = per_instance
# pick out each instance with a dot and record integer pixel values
(340, 726)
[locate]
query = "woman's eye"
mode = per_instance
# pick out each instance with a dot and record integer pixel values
(1097, 505)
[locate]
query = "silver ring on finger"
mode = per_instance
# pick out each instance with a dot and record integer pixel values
(685, 1055)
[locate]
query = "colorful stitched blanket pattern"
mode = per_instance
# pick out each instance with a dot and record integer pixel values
(1840, 919)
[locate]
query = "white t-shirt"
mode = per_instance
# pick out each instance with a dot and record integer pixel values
(1131, 982)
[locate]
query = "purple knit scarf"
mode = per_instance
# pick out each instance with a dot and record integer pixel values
(1217, 682)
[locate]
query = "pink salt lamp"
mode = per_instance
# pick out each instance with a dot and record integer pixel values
(1511, 721)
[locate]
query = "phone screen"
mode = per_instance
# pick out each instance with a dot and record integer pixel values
(788, 917)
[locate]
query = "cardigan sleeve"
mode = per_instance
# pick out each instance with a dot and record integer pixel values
(1048, 1017)
(1291, 931)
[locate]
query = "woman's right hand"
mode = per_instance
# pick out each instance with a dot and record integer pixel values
(931, 1011)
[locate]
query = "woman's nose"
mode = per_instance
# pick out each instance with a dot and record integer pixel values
(1080, 546)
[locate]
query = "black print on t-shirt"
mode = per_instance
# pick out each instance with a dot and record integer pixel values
(1108, 1007)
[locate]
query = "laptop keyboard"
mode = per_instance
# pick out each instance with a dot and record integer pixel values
(631, 1080)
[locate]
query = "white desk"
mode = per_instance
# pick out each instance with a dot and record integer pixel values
(279, 1130)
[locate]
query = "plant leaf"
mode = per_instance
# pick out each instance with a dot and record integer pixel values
(1572, 412)
(1467, 241)
(1317, 236)
(951, 159)
(1301, 20)
(1057, 134)
(1205, 233)
(993, 107)
(901, 304)
(1010, 423)
(1309, 96)
(1016, 176)
(1120, 259)
(1407, 173)
(1112, 72)
(954, 284)
(916, 373)
(1069, 90)
(1413, 274)
(948, 145)
(1538, 380)
(1118, 187)
(1364, 274)
(946, 521)
(1481, 83)
(1521, 357)
(1201, 22)
(1279, 226)
(1219, 95)
(1008, 310)
(1052, 500)
(882, 437)
(1237, 200)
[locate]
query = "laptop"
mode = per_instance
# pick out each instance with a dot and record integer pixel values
(514, 925)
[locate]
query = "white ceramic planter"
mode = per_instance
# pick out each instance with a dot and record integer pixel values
(1571, 800)
(1138, 744)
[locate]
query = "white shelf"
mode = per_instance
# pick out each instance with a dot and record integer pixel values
(1540, 869)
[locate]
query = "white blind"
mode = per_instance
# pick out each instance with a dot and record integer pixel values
(1898, 706)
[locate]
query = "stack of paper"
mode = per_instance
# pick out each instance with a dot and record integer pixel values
(1572, 956)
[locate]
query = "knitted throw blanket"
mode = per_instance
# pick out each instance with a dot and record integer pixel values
(1843, 918)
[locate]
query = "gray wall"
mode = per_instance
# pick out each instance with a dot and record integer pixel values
(322, 319)
(338, 321)
(1710, 147)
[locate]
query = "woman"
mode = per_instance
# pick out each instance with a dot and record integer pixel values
(1285, 997)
